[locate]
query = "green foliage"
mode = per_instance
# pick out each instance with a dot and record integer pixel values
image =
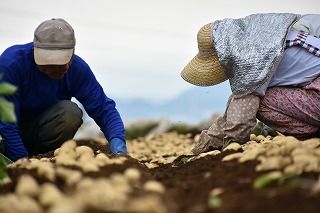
(7, 89)
(7, 114)
(139, 131)
(182, 159)
(7, 108)
(7, 111)
(262, 181)
(266, 179)
(3, 172)
(214, 202)
(142, 128)
(184, 129)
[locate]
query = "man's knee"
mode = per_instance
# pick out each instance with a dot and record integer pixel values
(62, 119)
(70, 115)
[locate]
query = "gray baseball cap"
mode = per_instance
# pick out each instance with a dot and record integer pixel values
(54, 42)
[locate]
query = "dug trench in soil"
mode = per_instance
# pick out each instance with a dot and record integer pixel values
(189, 185)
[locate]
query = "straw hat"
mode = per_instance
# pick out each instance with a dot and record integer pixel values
(204, 69)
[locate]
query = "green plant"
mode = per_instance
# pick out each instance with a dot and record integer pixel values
(7, 108)
(214, 202)
(3, 172)
(184, 129)
(7, 114)
(139, 130)
(182, 159)
(271, 177)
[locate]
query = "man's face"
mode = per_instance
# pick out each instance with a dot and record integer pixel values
(55, 71)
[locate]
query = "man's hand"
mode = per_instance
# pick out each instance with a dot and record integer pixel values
(118, 146)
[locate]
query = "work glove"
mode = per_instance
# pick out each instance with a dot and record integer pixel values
(118, 146)
(266, 130)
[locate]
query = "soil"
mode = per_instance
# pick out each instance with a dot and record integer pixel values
(189, 185)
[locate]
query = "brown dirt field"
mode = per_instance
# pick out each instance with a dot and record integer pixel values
(207, 184)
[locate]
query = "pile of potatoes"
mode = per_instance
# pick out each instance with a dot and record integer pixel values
(282, 153)
(79, 192)
(280, 156)
(286, 154)
(163, 149)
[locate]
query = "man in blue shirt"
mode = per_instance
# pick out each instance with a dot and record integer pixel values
(48, 74)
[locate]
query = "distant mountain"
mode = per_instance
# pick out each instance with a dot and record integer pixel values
(192, 106)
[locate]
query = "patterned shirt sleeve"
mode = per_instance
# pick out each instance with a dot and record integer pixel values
(233, 126)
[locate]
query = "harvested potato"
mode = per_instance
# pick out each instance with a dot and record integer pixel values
(272, 162)
(232, 146)
(69, 176)
(46, 170)
(67, 205)
(102, 159)
(50, 195)
(154, 186)
(66, 159)
(84, 150)
(132, 174)
(232, 156)
(27, 186)
(12, 203)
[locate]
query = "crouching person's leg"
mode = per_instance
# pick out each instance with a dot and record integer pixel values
(52, 128)
(291, 111)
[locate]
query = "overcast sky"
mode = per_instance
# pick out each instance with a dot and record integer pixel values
(136, 48)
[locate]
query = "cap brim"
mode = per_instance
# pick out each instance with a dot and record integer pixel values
(204, 71)
(52, 57)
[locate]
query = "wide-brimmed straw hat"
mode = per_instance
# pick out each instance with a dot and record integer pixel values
(204, 69)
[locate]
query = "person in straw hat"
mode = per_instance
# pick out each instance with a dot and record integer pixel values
(48, 74)
(272, 63)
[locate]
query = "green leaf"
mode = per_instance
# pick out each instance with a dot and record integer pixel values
(262, 181)
(184, 160)
(7, 111)
(214, 202)
(7, 89)
(3, 172)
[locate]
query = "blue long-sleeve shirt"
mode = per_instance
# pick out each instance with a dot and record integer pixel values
(36, 92)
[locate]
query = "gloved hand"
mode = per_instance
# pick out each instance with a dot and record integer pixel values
(266, 130)
(118, 146)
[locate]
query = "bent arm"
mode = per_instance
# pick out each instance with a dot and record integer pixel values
(233, 126)
(98, 106)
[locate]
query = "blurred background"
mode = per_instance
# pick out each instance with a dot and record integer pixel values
(137, 48)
